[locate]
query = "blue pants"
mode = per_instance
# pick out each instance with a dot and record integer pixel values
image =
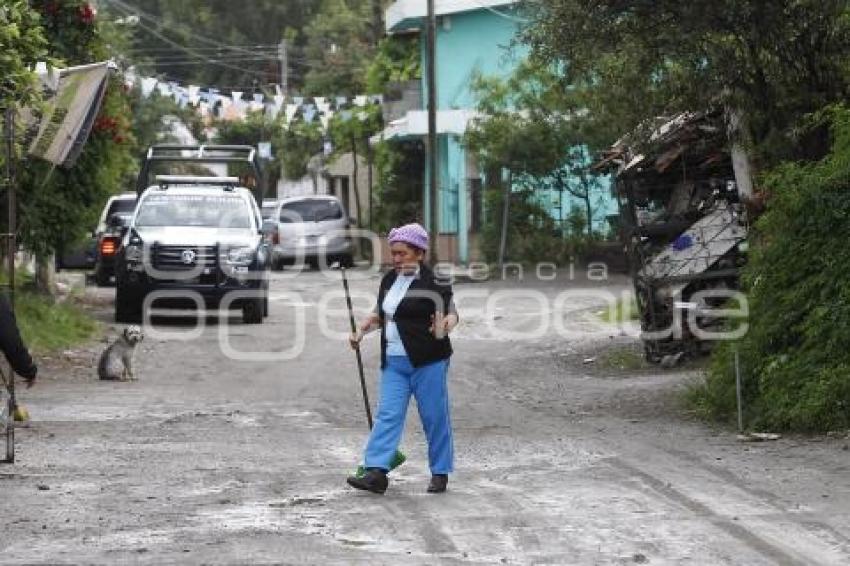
(428, 385)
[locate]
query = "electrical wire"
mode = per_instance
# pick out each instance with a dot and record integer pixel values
(167, 78)
(134, 10)
(210, 53)
(218, 60)
(184, 57)
(190, 51)
(501, 14)
(196, 62)
(251, 48)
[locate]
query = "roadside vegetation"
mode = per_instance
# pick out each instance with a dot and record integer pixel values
(623, 358)
(47, 324)
(621, 311)
(795, 359)
(781, 68)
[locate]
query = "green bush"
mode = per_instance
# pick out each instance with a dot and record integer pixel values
(621, 311)
(533, 235)
(796, 356)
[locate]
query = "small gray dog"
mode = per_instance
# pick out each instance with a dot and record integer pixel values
(116, 362)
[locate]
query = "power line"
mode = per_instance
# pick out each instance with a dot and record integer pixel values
(165, 77)
(213, 56)
(169, 52)
(134, 10)
(196, 62)
(251, 48)
(191, 51)
(501, 14)
(212, 59)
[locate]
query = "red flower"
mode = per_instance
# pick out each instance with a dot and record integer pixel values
(87, 13)
(103, 123)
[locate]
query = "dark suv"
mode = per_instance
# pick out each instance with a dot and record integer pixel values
(194, 241)
(110, 230)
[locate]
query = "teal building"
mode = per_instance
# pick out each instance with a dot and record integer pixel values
(473, 37)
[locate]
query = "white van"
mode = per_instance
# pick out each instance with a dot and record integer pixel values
(311, 228)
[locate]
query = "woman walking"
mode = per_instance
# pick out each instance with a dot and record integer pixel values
(415, 313)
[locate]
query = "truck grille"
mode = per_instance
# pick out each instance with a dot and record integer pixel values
(177, 258)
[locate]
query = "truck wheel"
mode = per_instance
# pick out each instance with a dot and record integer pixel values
(252, 311)
(101, 278)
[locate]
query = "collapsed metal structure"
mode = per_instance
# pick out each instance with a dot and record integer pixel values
(683, 226)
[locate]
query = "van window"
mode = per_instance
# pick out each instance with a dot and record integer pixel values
(121, 206)
(311, 210)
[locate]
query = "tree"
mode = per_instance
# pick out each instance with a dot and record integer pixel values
(398, 164)
(397, 59)
(537, 132)
(300, 142)
(149, 120)
(216, 42)
(399, 184)
(24, 44)
(340, 44)
(350, 132)
(255, 128)
(632, 60)
(795, 356)
(57, 206)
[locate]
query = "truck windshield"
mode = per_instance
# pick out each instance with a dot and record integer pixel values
(209, 211)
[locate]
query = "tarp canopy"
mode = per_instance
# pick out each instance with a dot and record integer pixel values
(69, 112)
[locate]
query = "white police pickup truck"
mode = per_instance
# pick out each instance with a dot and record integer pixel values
(194, 242)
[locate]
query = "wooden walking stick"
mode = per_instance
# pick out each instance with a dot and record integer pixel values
(399, 457)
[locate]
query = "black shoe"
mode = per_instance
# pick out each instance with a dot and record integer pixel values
(438, 483)
(374, 480)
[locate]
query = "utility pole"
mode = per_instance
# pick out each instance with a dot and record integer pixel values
(283, 55)
(432, 131)
(370, 160)
(377, 22)
(9, 138)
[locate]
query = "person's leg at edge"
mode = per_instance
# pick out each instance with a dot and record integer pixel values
(392, 411)
(430, 387)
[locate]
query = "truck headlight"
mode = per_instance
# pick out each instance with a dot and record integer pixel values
(133, 253)
(240, 256)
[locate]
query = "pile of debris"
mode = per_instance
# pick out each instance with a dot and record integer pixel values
(683, 226)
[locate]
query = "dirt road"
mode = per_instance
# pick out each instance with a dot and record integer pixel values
(563, 456)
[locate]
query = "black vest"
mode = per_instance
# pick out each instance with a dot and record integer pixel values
(425, 295)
